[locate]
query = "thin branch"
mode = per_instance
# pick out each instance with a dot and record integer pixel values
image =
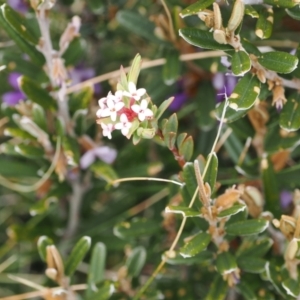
(146, 178)
(171, 26)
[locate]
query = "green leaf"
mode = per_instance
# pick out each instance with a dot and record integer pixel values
(136, 228)
(274, 275)
(103, 292)
(247, 227)
(183, 210)
(195, 8)
(218, 289)
(16, 21)
(250, 11)
(249, 47)
(163, 107)
(240, 63)
(26, 47)
(236, 208)
(179, 260)
(104, 171)
(270, 187)
(134, 71)
(231, 115)
(81, 100)
(42, 244)
(290, 114)
(96, 267)
(212, 171)
(37, 94)
(252, 264)
(77, 254)
(294, 12)
(225, 263)
(246, 290)
(292, 287)
(245, 93)
(202, 39)
(97, 7)
(171, 125)
(282, 3)
(264, 24)
(277, 61)
(138, 24)
(171, 69)
(253, 246)
(30, 151)
(190, 180)
(75, 51)
(39, 117)
(187, 148)
(136, 261)
(197, 244)
(71, 150)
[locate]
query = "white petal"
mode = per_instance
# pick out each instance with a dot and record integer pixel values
(141, 92)
(135, 108)
(110, 103)
(113, 116)
(141, 116)
(119, 105)
(123, 118)
(148, 112)
(99, 113)
(119, 126)
(106, 112)
(125, 131)
(131, 87)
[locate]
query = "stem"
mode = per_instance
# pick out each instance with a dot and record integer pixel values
(146, 178)
(171, 27)
(75, 204)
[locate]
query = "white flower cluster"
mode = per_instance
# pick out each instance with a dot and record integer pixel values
(120, 115)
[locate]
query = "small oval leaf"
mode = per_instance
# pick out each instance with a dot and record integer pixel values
(202, 39)
(195, 8)
(245, 93)
(197, 244)
(183, 210)
(136, 261)
(290, 114)
(240, 63)
(247, 227)
(232, 210)
(278, 61)
(264, 24)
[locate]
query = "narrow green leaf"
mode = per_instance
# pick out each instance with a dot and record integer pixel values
(171, 125)
(77, 254)
(71, 150)
(136, 228)
(39, 116)
(37, 94)
(162, 108)
(171, 69)
(195, 8)
(271, 190)
(30, 151)
(240, 63)
(180, 139)
(202, 39)
(136, 261)
(75, 51)
(200, 257)
(195, 245)
(218, 289)
(225, 263)
(264, 24)
(212, 171)
(187, 148)
(245, 93)
(104, 171)
(252, 264)
(292, 287)
(294, 12)
(134, 71)
(246, 290)
(277, 61)
(138, 24)
(282, 3)
(247, 227)
(232, 210)
(190, 180)
(274, 275)
(183, 210)
(250, 11)
(16, 21)
(96, 267)
(290, 114)
(42, 244)
(26, 47)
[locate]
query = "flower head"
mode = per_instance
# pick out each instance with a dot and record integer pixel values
(142, 110)
(133, 92)
(112, 109)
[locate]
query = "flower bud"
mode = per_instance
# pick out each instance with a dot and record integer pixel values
(236, 16)
(228, 198)
(254, 200)
(220, 36)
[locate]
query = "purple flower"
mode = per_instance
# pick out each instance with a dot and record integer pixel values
(286, 198)
(179, 99)
(19, 5)
(224, 84)
(80, 73)
(104, 153)
(12, 98)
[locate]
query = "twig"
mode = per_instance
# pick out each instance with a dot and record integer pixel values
(171, 26)
(146, 178)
